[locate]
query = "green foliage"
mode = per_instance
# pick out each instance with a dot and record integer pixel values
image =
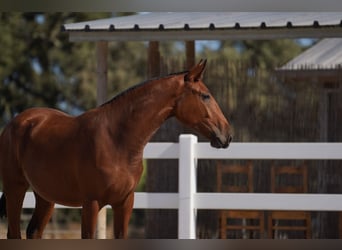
(262, 53)
(270, 53)
(36, 68)
(40, 67)
(127, 65)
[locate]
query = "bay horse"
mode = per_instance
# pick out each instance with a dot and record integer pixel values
(95, 159)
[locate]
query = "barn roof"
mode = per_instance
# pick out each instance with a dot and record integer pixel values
(208, 26)
(321, 62)
(326, 54)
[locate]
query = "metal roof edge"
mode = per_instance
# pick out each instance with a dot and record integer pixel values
(226, 34)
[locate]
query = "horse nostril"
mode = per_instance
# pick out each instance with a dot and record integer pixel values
(230, 138)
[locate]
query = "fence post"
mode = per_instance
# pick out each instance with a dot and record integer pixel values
(101, 226)
(187, 187)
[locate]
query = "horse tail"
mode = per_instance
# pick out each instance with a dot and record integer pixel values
(3, 212)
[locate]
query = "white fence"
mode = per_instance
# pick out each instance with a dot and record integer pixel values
(187, 200)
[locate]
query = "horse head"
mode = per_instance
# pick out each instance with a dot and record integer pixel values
(198, 109)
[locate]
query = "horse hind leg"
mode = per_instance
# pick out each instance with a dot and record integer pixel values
(41, 216)
(14, 198)
(3, 212)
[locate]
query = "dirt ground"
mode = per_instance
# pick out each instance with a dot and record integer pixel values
(70, 231)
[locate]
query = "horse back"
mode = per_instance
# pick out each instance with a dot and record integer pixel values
(37, 119)
(34, 126)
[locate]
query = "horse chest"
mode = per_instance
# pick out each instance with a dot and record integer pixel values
(109, 183)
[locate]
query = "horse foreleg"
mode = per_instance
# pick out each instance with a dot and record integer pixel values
(122, 215)
(90, 210)
(41, 216)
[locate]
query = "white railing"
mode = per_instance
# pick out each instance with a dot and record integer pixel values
(187, 200)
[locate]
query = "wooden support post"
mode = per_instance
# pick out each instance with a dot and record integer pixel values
(153, 59)
(190, 54)
(102, 67)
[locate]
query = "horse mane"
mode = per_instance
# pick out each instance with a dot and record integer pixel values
(139, 85)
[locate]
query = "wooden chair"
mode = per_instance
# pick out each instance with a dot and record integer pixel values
(289, 224)
(238, 223)
(340, 225)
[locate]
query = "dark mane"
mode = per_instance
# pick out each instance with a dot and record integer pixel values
(129, 90)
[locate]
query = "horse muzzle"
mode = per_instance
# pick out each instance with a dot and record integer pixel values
(220, 141)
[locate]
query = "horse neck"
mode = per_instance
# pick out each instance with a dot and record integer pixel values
(134, 117)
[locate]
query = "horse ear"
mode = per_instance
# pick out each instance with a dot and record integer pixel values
(196, 73)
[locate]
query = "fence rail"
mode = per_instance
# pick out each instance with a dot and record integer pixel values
(187, 200)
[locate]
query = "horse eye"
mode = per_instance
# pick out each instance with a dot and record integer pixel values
(205, 97)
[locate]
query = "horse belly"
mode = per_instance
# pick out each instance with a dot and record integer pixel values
(54, 187)
(51, 175)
